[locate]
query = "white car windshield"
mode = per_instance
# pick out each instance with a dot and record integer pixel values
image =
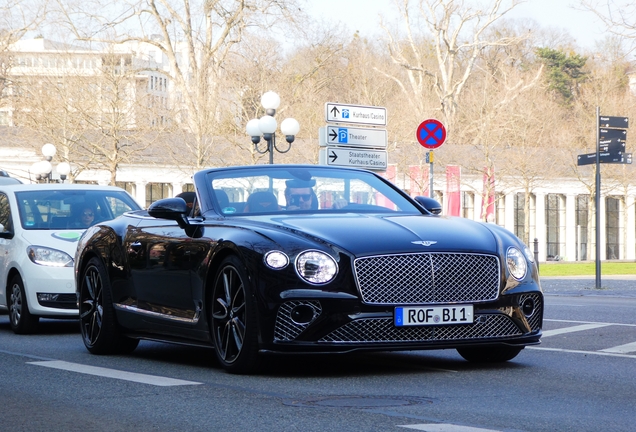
(70, 209)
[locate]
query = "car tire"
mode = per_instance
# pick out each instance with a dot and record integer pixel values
(98, 323)
(233, 321)
(22, 321)
(489, 354)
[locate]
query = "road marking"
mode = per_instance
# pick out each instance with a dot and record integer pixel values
(590, 322)
(621, 349)
(572, 329)
(600, 353)
(114, 373)
(439, 427)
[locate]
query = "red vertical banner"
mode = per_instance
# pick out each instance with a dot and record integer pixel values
(391, 175)
(419, 180)
(488, 196)
(453, 194)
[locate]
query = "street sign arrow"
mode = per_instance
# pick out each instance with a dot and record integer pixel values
(614, 122)
(620, 134)
(333, 156)
(333, 134)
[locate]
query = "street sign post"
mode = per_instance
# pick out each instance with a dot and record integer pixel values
(614, 146)
(360, 158)
(430, 134)
(355, 114)
(614, 122)
(606, 134)
(353, 137)
(590, 158)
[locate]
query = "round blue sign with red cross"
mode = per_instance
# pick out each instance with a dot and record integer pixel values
(431, 133)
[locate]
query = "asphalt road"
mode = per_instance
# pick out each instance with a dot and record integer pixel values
(581, 378)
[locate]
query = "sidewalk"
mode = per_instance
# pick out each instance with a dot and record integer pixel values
(618, 286)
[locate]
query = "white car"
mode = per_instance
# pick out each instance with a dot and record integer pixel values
(40, 225)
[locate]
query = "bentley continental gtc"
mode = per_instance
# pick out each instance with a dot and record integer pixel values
(305, 259)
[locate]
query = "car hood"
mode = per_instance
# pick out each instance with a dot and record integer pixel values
(379, 234)
(64, 240)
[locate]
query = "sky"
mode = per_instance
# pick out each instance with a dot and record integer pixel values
(363, 15)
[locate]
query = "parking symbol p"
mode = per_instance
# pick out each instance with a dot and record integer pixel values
(345, 113)
(342, 135)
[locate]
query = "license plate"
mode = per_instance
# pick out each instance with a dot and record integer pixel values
(433, 315)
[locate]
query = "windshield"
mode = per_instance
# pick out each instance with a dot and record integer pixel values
(278, 189)
(71, 209)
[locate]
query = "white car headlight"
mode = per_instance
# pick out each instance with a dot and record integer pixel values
(516, 262)
(49, 257)
(276, 260)
(316, 267)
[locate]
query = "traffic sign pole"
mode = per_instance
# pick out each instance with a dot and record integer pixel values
(597, 198)
(430, 174)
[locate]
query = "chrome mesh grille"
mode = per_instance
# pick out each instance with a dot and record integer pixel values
(286, 329)
(382, 330)
(535, 319)
(427, 278)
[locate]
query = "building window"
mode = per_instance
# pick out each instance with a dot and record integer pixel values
(520, 217)
(468, 205)
(612, 225)
(553, 219)
(582, 217)
(127, 186)
(188, 187)
(156, 191)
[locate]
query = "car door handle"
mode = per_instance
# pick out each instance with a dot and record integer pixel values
(134, 247)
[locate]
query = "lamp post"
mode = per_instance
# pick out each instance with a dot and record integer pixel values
(43, 169)
(266, 126)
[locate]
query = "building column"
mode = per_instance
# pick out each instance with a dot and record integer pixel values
(630, 229)
(570, 227)
(602, 231)
(540, 228)
(140, 188)
(477, 203)
(509, 213)
(177, 188)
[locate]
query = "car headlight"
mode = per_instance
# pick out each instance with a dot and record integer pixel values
(49, 257)
(316, 267)
(276, 260)
(516, 262)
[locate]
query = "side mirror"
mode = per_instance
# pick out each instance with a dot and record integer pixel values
(171, 208)
(430, 205)
(5, 234)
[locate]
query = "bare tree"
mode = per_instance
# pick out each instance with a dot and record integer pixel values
(444, 59)
(196, 38)
(618, 15)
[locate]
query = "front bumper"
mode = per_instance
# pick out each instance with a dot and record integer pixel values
(327, 326)
(50, 291)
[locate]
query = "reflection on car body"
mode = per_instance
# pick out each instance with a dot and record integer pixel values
(250, 270)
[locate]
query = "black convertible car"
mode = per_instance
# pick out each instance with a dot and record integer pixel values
(296, 258)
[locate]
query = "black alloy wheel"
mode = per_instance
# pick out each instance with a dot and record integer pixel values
(21, 320)
(233, 323)
(98, 323)
(489, 354)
